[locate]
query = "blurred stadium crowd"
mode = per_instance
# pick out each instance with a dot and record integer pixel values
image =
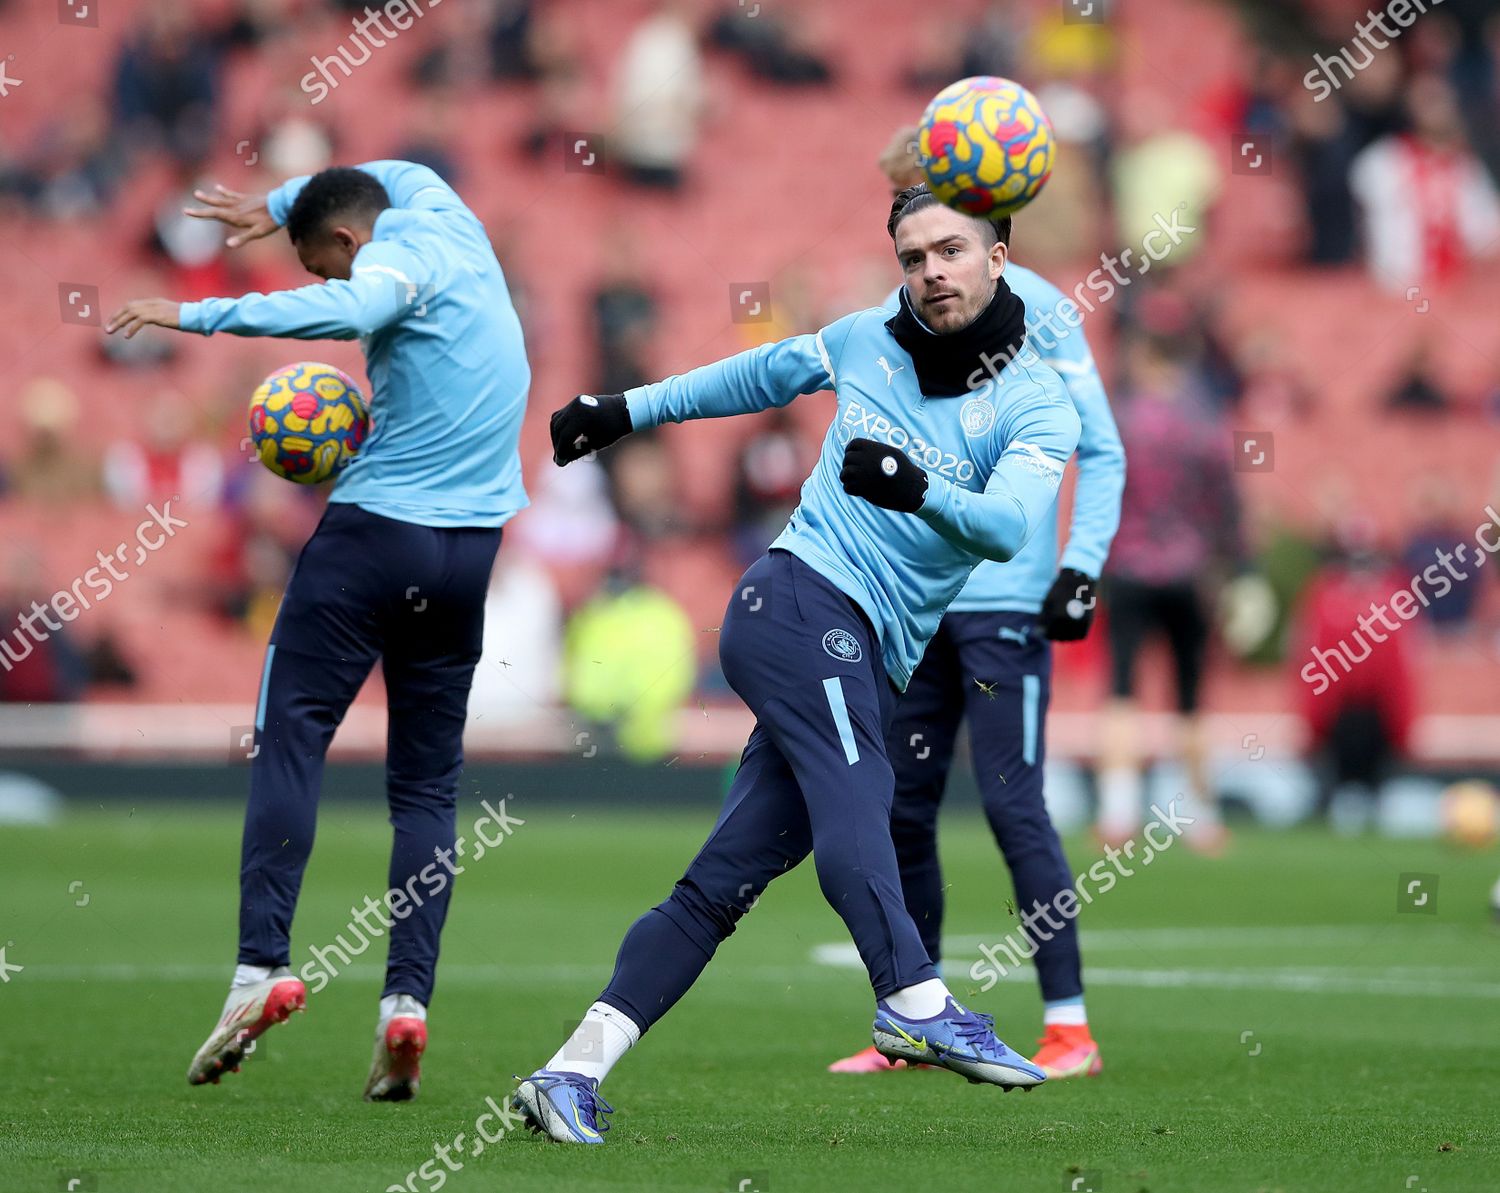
(1324, 341)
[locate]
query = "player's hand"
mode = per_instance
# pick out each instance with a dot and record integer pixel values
(144, 312)
(586, 424)
(884, 476)
(248, 215)
(1068, 610)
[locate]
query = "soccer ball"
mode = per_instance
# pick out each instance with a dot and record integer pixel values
(307, 420)
(1471, 814)
(985, 146)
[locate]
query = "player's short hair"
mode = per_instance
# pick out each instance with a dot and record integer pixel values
(918, 198)
(332, 196)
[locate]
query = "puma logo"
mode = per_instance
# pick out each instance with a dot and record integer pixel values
(890, 373)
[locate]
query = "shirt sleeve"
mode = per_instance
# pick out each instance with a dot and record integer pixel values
(997, 523)
(771, 375)
(409, 185)
(1101, 465)
(384, 286)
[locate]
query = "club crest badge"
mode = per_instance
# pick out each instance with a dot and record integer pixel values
(843, 646)
(976, 416)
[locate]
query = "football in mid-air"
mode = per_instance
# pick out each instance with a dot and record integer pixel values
(307, 421)
(985, 146)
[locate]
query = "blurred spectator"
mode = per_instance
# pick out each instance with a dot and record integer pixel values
(631, 662)
(643, 487)
(1419, 387)
(167, 463)
(51, 469)
(956, 49)
(561, 107)
(485, 40)
(1438, 528)
(261, 539)
(1428, 205)
(1272, 383)
(1474, 71)
(1357, 696)
(429, 139)
(166, 84)
(625, 316)
(259, 24)
(659, 98)
(571, 522)
(74, 168)
(1075, 207)
(38, 661)
(769, 472)
(1162, 170)
(518, 674)
(1323, 147)
(773, 48)
(1179, 520)
(291, 142)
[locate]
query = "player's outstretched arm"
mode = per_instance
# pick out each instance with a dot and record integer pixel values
(771, 375)
(251, 216)
(373, 298)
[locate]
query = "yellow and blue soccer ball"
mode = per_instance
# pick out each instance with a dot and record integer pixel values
(307, 421)
(986, 146)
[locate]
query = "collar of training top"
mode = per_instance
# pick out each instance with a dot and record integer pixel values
(946, 364)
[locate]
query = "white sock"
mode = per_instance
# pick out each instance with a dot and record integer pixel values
(1065, 1012)
(401, 1006)
(604, 1036)
(1119, 801)
(248, 975)
(922, 1001)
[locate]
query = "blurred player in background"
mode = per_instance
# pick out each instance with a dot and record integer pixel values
(991, 663)
(1179, 522)
(397, 569)
(827, 627)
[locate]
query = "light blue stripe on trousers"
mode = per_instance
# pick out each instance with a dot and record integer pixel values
(265, 686)
(1031, 699)
(833, 687)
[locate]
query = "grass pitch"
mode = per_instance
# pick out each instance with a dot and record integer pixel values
(1269, 1022)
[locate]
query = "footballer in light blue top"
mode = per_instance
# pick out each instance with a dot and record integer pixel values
(428, 301)
(1055, 336)
(994, 458)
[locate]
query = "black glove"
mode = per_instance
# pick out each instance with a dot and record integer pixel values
(1068, 610)
(586, 424)
(883, 476)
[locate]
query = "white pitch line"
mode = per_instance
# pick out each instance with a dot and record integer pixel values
(1301, 936)
(1436, 980)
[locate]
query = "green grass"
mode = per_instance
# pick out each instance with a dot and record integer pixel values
(1373, 1058)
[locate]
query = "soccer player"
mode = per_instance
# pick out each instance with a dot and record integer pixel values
(397, 569)
(944, 450)
(990, 663)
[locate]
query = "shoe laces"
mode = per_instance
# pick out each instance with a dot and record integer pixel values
(977, 1030)
(591, 1106)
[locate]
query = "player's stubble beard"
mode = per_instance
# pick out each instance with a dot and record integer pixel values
(957, 314)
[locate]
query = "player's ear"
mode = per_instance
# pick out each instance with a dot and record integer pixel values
(999, 255)
(347, 239)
